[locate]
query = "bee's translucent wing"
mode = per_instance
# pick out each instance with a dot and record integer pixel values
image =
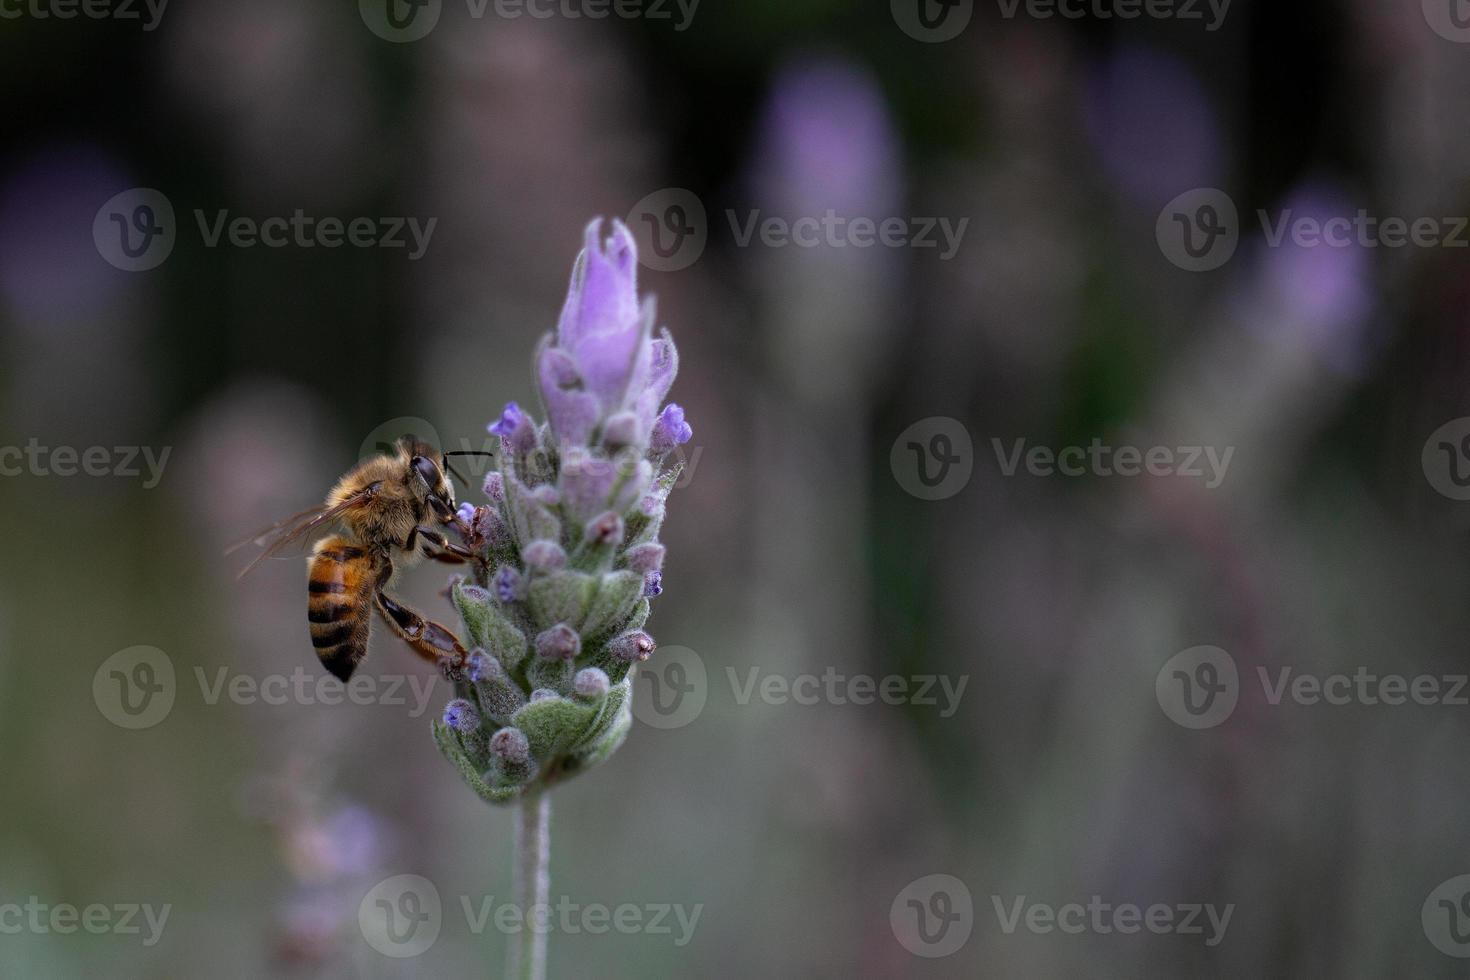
(283, 534)
(260, 537)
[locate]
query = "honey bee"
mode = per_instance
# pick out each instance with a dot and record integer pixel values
(388, 509)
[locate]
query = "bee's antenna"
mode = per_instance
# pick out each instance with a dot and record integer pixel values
(463, 452)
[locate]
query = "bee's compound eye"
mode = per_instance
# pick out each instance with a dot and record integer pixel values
(427, 471)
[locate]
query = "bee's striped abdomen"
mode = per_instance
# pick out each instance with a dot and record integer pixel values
(339, 596)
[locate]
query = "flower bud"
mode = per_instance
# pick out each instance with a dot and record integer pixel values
(636, 645)
(510, 758)
(544, 556)
(495, 486)
(511, 745)
(670, 430)
(561, 642)
(486, 528)
(473, 592)
(620, 430)
(508, 584)
(483, 667)
(605, 529)
(645, 558)
(498, 695)
(542, 693)
(591, 683)
(461, 716)
(653, 584)
(515, 428)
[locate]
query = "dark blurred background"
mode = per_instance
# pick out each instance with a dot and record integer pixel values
(1069, 159)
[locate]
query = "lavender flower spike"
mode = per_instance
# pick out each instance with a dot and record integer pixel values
(568, 558)
(570, 549)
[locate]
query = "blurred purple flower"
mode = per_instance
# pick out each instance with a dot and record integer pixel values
(1322, 291)
(1152, 125)
(50, 272)
(828, 142)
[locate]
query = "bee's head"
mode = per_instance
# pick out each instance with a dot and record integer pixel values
(427, 479)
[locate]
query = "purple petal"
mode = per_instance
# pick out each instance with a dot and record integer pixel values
(670, 430)
(602, 322)
(572, 411)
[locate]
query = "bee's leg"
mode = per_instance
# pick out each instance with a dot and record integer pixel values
(429, 640)
(440, 548)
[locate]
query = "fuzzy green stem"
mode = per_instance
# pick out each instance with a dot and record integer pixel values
(526, 957)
